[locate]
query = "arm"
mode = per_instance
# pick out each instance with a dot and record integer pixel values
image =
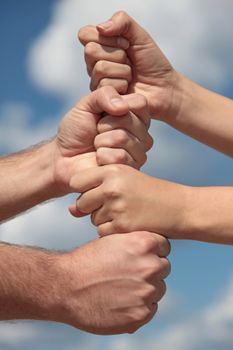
(203, 115)
(71, 287)
(127, 200)
(26, 179)
(172, 98)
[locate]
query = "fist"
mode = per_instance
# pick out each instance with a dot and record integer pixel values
(113, 285)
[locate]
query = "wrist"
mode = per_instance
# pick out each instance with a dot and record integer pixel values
(166, 105)
(64, 168)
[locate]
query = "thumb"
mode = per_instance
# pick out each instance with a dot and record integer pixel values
(121, 24)
(105, 99)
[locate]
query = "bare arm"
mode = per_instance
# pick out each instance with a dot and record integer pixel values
(26, 179)
(203, 115)
(27, 283)
(71, 287)
(170, 209)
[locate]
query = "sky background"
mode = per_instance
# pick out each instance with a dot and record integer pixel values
(42, 74)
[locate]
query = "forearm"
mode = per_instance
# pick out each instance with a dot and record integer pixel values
(26, 179)
(28, 284)
(203, 115)
(208, 215)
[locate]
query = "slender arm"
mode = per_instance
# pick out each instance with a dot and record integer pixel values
(203, 115)
(208, 215)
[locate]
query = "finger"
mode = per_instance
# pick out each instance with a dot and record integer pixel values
(106, 99)
(160, 291)
(138, 105)
(163, 270)
(90, 201)
(121, 85)
(100, 216)
(87, 180)
(91, 34)
(104, 69)
(156, 291)
(129, 122)
(105, 156)
(163, 245)
(106, 229)
(94, 52)
(121, 24)
(120, 138)
(75, 212)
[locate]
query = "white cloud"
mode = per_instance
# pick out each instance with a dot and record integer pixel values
(16, 128)
(12, 334)
(49, 225)
(189, 31)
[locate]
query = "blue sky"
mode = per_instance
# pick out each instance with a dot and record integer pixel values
(42, 74)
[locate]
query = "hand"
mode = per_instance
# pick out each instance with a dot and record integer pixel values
(121, 53)
(112, 285)
(122, 199)
(79, 128)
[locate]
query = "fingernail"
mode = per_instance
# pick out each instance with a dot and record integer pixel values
(123, 43)
(117, 102)
(105, 25)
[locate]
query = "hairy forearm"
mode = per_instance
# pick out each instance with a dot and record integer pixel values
(208, 215)
(203, 115)
(28, 283)
(26, 179)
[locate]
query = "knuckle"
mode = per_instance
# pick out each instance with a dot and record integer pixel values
(85, 33)
(162, 290)
(101, 156)
(128, 70)
(122, 87)
(120, 225)
(139, 242)
(166, 268)
(149, 242)
(120, 137)
(140, 315)
(163, 245)
(101, 232)
(82, 33)
(97, 141)
(149, 142)
(99, 68)
(113, 171)
(90, 49)
(121, 156)
(148, 291)
(163, 268)
(143, 159)
(122, 14)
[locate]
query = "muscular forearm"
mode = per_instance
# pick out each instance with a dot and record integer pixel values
(28, 284)
(203, 115)
(26, 179)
